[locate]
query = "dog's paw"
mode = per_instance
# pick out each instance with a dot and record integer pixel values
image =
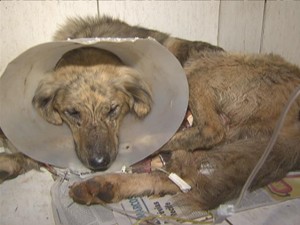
(9, 167)
(97, 190)
(12, 165)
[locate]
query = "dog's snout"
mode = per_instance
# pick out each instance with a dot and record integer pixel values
(96, 147)
(100, 162)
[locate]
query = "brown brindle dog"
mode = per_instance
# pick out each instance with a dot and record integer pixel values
(92, 90)
(235, 101)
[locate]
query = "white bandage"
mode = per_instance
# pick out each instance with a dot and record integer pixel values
(184, 187)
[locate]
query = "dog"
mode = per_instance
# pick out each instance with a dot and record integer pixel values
(235, 101)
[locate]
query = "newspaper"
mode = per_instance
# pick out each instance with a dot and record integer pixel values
(131, 211)
(126, 212)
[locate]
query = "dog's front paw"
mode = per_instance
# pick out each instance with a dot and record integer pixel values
(97, 190)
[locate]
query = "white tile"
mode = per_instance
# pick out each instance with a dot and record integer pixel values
(193, 20)
(28, 23)
(241, 25)
(282, 29)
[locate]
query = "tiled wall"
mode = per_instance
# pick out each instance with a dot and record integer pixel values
(245, 26)
(261, 26)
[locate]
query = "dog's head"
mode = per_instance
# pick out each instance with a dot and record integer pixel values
(92, 91)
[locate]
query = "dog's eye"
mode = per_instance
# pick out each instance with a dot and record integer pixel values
(113, 110)
(73, 113)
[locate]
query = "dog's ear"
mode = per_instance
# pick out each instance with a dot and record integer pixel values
(44, 97)
(138, 91)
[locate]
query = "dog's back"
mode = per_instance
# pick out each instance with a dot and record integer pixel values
(249, 91)
(103, 27)
(234, 96)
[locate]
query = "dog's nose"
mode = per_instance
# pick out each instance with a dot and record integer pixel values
(99, 163)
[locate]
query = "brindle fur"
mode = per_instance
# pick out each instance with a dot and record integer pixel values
(235, 100)
(12, 165)
(92, 90)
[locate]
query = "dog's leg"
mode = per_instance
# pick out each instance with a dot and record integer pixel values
(223, 171)
(209, 127)
(193, 138)
(12, 165)
(115, 187)
(216, 176)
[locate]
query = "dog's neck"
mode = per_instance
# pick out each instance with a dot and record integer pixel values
(88, 56)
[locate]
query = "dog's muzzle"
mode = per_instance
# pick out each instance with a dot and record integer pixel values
(99, 162)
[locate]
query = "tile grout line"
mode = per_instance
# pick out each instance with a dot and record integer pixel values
(263, 27)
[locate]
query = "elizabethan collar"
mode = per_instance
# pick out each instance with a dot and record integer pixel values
(51, 144)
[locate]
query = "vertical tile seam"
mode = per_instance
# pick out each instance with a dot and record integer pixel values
(98, 8)
(219, 22)
(263, 27)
